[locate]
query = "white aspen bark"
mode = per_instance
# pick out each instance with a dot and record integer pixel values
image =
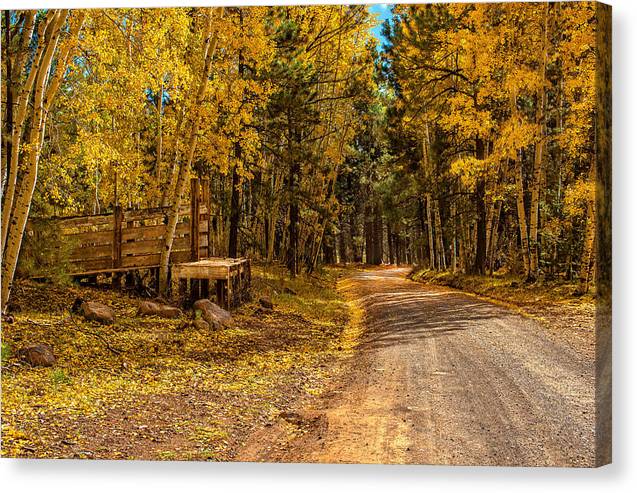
(63, 59)
(160, 133)
(19, 124)
(169, 187)
(524, 235)
(588, 255)
(173, 215)
(29, 179)
(18, 67)
(538, 159)
(493, 237)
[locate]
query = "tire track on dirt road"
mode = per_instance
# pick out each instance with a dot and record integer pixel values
(442, 377)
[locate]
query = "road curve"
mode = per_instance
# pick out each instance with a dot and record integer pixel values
(442, 377)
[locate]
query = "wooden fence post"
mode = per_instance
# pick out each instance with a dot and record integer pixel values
(207, 202)
(195, 196)
(118, 216)
(194, 219)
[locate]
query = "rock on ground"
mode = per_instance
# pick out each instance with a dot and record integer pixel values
(151, 308)
(213, 314)
(266, 302)
(200, 324)
(38, 355)
(93, 310)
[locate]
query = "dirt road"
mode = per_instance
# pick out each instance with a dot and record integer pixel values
(445, 378)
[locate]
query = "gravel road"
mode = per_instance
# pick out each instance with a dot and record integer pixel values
(442, 377)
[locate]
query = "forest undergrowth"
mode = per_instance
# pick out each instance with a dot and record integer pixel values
(163, 389)
(566, 314)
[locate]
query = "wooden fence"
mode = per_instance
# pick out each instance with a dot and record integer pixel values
(121, 241)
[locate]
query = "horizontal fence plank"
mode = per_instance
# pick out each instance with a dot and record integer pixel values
(152, 232)
(89, 265)
(147, 247)
(78, 221)
(92, 252)
(90, 238)
(153, 260)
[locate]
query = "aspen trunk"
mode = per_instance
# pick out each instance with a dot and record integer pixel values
(169, 187)
(481, 225)
(462, 244)
(20, 205)
(233, 234)
(14, 67)
(493, 236)
(430, 235)
(440, 245)
(588, 255)
(160, 133)
(521, 209)
(184, 170)
(454, 253)
(46, 33)
(538, 161)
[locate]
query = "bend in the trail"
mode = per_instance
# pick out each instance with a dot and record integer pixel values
(441, 377)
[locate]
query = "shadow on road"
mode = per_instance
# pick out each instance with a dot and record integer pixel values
(403, 315)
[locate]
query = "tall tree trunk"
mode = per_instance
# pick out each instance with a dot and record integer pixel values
(233, 233)
(173, 215)
(391, 244)
(342, 242)
(169, 187)
(440, 245)
(235, 206)
(430, 233)
(369, 232)
(493, 236)
(588, 255)
(538, 158)
(521, 209)
(48, 30)
(20, 205)
(462, 244)
(293, 225)
(357, 254)
(454, 253)
(378, 234)
(481, 225)
(160, 131)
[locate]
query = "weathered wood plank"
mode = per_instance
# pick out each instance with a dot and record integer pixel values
(90, 238)
(79, 221)
(148, 247)
(152, 232)
(90, 265)
(92, 252)
(153, 260)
